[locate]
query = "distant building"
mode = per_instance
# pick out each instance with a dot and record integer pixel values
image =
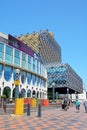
(64, 77)
(81, 96)
(44, 44)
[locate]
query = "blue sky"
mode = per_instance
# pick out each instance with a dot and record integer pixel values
(67, 19)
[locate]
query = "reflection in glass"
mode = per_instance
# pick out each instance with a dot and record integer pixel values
(24, 60)
(1, 51)
(0, 70)
(23, 76)
(57, 75)
(33, 79)
(8, 54)
(17, 57)
(28, 78)
(7, 73)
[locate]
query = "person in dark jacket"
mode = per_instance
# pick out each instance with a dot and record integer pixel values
(85, 105)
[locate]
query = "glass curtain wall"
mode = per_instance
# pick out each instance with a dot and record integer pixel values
(7, 73)
(17, 57)
(1, 51)
(1, 70)
(9, 54)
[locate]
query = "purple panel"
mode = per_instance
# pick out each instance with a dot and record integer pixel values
(20, 45)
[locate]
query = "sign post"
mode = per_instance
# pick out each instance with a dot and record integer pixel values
(17, 83)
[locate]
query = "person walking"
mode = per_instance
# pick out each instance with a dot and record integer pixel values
(62, 104)
(65, 104)
(77, 105)
(85, 105)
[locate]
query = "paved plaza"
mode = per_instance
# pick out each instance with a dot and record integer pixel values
(53, 119)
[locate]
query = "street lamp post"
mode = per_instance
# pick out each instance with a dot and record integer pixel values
(76, 96)
(67, 93)
(17, 83)
(53, 88)
(56, 95)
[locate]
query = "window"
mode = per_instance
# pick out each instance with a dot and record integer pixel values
(28, 78)
(24, 60)
(29, 62)
(0, 70)
(17, 57)
(23, 77)
(1, 51)
(33, 64)
(7, 73)
(8, 56)
(33, 79)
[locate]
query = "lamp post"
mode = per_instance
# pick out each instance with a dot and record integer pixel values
(76, 96)
(53, 90)
(17, 83)
(56, 95)
(67, 93)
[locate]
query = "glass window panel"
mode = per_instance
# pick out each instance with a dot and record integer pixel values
(1, 56)
(17, 57)
(29, 66)
(23, 77)
(23, 60)
(8, 58)
(0, 70)
(7, 73)
(33, 64)
(16, 61)
(33, 79)
(8, 54)
(29, 62)
(29, 59)
(14, 75)
(36, 81)
(28, 78)
(9, 50)
(23, 56)
(1, 51)
(36, 66)
(17, 53)
(1, 47)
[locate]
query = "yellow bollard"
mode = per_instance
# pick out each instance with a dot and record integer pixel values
(19, 106)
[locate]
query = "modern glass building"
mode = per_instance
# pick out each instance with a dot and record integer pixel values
(15, 55)
(63, 78)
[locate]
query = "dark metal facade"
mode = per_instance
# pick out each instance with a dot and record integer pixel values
(49, 50)
(64, 77)
(44, 44)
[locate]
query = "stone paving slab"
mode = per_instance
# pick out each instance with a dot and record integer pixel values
(53, 119)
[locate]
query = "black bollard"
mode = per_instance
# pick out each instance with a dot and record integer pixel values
(28, 109)
(4, 105)
(39, 110)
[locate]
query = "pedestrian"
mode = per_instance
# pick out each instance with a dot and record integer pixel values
(63, 104)
(85, 105)
(77, 105)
